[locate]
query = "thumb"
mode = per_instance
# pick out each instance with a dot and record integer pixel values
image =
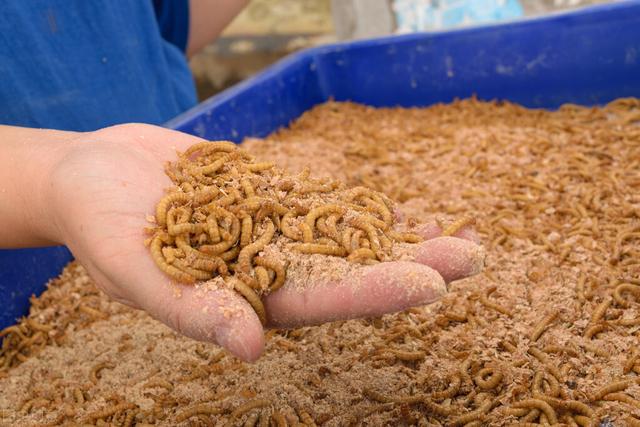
(214, 315)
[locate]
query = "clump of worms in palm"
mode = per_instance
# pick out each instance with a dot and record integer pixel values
(225, 209)
(547, 333)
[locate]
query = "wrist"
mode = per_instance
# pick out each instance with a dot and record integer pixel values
(28, 159)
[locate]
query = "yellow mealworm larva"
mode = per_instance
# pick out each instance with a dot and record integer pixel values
(611, 388)
(94, 375)
(208, 147)
(212, 228)
(307, 232)
(201, 408)
(632, 421)
(594, 330)
(158, 382)
(600, 310)
(356, 238)
(313, 248)
(231, 254)
(277, 267)
(318, 212)
(408, 356)
(170, 270)
(541, 405)
(78, 396)
(404, 237)
(193, 272)
(458, 225)
(289, 231)
(262, 276)
(251, 297)
(103, 413)
(35, 403)
(478, 414)
(361, 255)
(39, 326)
(449, 392)
(622, 397)
(332, 229)
(345, 239)
(625, 287)
(488, 378)
(248, 406)
(96, 314)
(248, 252)
(163, 206)
(379, 208)
(484, 299)
(246, 230)
(566, 405)
(583, 421)
(543, 358)
(259, 167)
(372, 234)
(631, 361)
(247, 187)
(542, 325)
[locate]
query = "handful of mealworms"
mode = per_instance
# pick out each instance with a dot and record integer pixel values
(225, 209)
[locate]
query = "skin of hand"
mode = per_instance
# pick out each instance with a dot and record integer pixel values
(94, 192)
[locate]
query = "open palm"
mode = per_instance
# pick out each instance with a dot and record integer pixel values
(109, 182)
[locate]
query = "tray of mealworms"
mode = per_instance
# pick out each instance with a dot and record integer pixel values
(547, 334)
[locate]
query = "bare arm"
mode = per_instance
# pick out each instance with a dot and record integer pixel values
(207, 19)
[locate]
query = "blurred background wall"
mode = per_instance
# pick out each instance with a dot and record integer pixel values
(267, 30)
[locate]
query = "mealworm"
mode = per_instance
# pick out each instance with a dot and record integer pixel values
(170, 270)
(307, 232)
(194, 272)
(594, 330)
(163, 206)
(212, 228)
(450, 391)
(379, 208)
(260, 167)
(332, 229)
(289, 231)
(567, 405)
(631, 361)
(246, 230)
(621, 397)
(404, 237)
(361, 255)
(488, 378)
(542, 358)
(107, 412)
(96, 314)
(372, 234)
(458, 225)
(542, 326)
(251, 297)
(314, 214)
(611, 388)
(78, 395)
(484, 300)
(247, 253)
(277, 267)
(583, 421)
(356, 238)
(35, 403)
(94, 374)
(158, 382)
(601, 309)
(313, 248)
(478, 414)
(248, 406)
(408, 356)
(39, 326)
(202, 408)
(625, 287)
(207, 147)
(541, 405)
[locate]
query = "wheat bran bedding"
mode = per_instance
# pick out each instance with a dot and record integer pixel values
(547, 334)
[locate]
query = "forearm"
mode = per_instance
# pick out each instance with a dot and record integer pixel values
(207, 19)
(27, 157)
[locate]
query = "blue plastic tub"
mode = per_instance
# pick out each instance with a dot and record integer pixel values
(587, 57)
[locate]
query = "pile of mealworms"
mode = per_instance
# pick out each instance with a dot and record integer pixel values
(225, 209)
(548, 334)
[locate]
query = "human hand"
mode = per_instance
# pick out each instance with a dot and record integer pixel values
(108, 181)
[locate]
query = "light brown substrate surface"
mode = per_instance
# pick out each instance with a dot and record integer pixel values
(539, 336)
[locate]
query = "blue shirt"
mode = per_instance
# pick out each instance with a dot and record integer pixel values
(86, 64)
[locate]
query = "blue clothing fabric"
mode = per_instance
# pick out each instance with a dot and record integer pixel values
(86, 64)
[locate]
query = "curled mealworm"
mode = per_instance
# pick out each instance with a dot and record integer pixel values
(318, 212)
(484, 300)
(107, 412)
(361, 255)
(631, 361)
(164, 204)
(488, 378)
(251, 297)
(541, 405)
(247, 253)
(451, 391)
(477, 415)
(601, 309)
(542, 325)
(307, 232)
(277, 267)
(94, 375)
(625, 287)
(262, 276)
(170, 270)
(594, 330)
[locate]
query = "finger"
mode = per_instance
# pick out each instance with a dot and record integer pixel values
(432, 230)
(452, 257)
(217, 315)
(375, 290)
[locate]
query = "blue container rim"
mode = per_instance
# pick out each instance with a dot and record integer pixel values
(312, 52)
